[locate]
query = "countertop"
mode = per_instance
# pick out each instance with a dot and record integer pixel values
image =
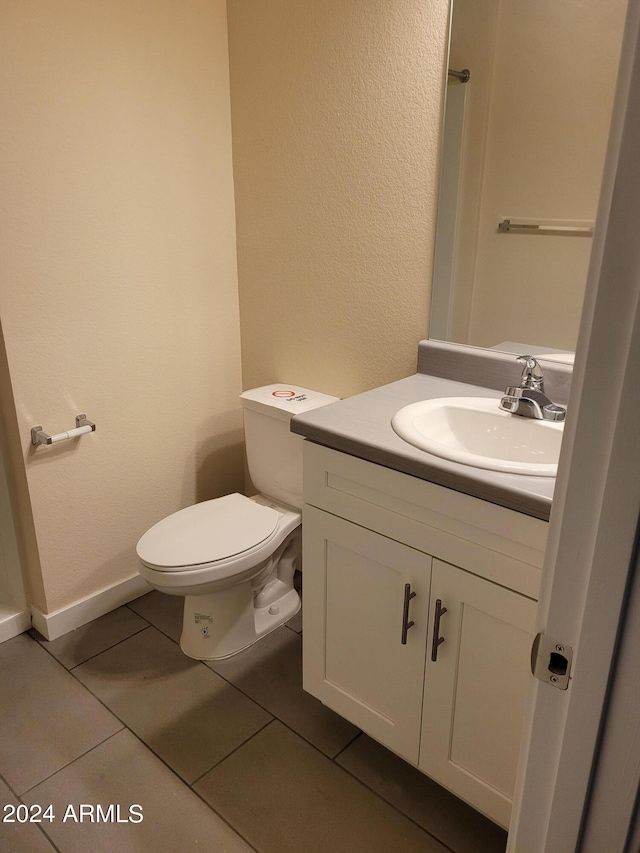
(361, 426)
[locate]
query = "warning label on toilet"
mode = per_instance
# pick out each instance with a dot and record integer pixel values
(290, 396)
(198, 618)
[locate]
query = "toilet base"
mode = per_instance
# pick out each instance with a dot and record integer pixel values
(224, 623)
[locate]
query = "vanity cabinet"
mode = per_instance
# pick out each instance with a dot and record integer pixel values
(383, 554)
(475, 689)
(354, 659)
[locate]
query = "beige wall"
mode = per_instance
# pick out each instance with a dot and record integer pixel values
(336, 125)
(118, 294)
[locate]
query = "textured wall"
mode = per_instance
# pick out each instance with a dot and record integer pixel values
(118, 291)
(336, 124)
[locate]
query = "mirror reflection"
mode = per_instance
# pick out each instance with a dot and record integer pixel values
(522, 157)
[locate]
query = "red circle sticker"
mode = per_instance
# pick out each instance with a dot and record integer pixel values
(283, 394)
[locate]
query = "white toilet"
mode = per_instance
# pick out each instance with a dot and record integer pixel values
(233, 558)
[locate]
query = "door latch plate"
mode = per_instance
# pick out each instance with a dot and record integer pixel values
(551, 661)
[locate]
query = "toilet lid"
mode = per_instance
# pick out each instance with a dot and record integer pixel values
(206, 532)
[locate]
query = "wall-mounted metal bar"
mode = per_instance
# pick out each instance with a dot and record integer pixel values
(83, 426)
(570, 229)
(463, 76)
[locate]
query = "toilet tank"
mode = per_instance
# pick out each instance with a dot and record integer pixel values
(274, 454)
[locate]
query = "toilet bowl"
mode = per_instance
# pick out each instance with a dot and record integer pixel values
(233, 558)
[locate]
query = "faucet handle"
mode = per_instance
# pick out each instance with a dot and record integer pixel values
(532, 375)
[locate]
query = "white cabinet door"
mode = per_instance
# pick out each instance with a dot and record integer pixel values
(475, 690)
(354, 590)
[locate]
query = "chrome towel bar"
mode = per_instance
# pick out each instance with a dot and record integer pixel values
(573, 229)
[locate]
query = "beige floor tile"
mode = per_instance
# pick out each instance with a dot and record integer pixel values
(453, 822)
(284, 796)
(123, 772)
(270, 672)
(162, 611)
(48, 719)
(78, 646)
(17, 837)
(186, 713)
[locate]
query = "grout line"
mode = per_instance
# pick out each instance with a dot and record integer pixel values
(346, 746)
(339, 766)
(235, 749)
(189, 786)
(20, 800)
(44, 644)
(48, 837)
(18, 797)
(69, 763)
(107, 648)
(279, 719)
(157, 627)
(10, 787)
(373, 791)
(393, 805)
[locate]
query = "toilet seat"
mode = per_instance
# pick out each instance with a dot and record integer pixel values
(207, 532)
(222, 539)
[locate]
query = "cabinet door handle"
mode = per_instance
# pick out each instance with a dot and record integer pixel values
(408, 595)
(437, 639)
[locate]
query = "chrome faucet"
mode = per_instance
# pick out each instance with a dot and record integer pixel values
(528, 399)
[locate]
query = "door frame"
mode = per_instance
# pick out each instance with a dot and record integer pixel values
(591, 548)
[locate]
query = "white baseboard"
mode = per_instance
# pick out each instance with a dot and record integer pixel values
(13, 623)
(54, 625)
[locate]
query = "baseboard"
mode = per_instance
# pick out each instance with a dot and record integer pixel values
(54, 625)
(13, 623)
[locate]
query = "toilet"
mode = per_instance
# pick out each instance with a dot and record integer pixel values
(233, 558)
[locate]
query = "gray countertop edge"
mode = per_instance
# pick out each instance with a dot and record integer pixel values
(361, 427)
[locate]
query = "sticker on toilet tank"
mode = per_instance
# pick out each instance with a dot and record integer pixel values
(290, 396)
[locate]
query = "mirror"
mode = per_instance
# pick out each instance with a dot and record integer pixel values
(523, 151)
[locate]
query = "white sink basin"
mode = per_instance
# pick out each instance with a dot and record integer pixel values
(474, 431)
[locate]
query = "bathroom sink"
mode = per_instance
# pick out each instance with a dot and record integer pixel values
(474, 431)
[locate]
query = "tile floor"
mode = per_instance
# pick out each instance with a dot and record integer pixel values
(226, 757)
